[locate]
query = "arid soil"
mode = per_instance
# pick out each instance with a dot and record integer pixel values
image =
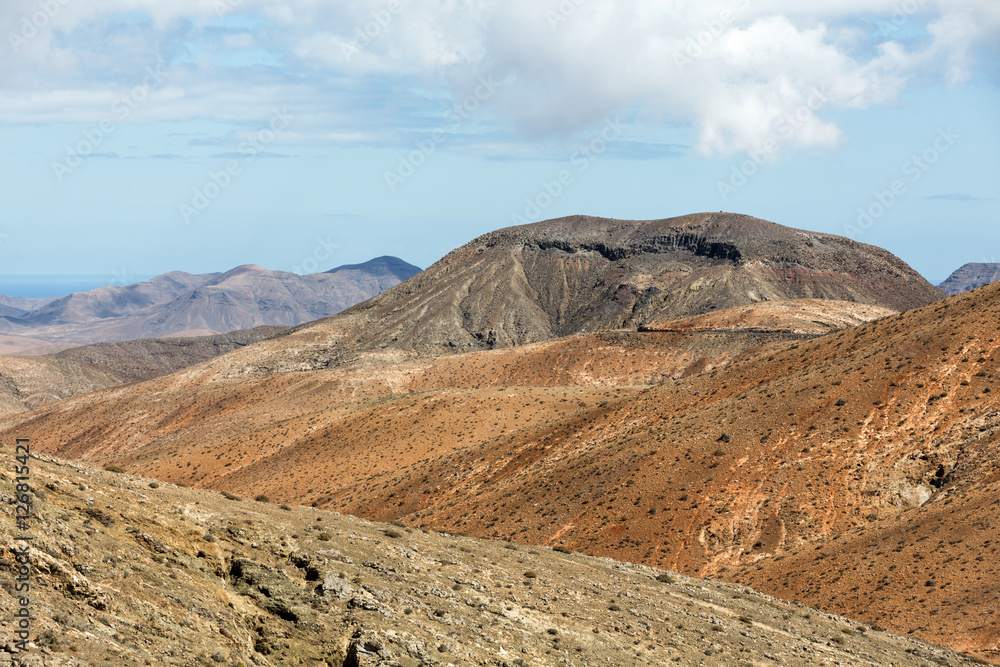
(129, 571)
(802, 316)
(854, 470)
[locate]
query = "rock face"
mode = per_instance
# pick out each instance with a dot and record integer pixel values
(970, 277)
(181, 304)
(526, 284)
(126, 571)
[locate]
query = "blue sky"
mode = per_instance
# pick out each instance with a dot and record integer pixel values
(140, 136)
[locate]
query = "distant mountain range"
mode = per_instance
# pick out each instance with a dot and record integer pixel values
(184, 304)
(970, 277)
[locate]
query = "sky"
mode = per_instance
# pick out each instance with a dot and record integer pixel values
(142, 136)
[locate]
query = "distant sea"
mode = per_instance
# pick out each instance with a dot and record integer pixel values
(44, 286)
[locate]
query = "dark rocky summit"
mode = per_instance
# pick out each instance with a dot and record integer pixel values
(384, 266)
(581, 274)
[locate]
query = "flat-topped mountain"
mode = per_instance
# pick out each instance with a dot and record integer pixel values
(524, 284)
(574, 275)
(970, 277)
(183, 304)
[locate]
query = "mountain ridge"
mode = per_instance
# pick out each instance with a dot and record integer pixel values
(970, 277)
(182, 304)
(131, 571)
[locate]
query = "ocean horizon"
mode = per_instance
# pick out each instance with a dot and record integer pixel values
(44, 286)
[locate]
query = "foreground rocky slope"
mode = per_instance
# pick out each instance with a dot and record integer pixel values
(129, 572)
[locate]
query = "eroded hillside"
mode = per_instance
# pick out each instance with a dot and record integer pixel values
(128, 571)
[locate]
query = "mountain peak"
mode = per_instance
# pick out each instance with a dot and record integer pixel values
(971, 276)
(385, 265)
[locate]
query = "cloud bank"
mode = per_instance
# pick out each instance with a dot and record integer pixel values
(743, 74)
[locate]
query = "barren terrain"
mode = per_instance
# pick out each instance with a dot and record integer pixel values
(128, 571)
(734, 443)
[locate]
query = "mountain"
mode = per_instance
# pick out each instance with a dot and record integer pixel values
(181, 304)
(722, 442)
(651, 447)
(21, 304)
(534, 282)
(392, 268)
(970, 277)
(31, 382)
(127, 571)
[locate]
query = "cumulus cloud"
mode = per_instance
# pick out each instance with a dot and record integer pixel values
(743, 74)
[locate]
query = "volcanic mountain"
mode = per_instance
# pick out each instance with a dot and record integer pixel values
(182, 304)
(970, 277)
(534, 282)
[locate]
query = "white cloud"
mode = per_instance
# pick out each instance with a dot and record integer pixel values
(741, 72)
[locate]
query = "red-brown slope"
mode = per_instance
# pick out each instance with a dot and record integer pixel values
(233, 422)
(773, 455)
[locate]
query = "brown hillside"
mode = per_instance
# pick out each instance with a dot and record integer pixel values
(30, 382)
(803, 316)
(132, 572)
(706, 474)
